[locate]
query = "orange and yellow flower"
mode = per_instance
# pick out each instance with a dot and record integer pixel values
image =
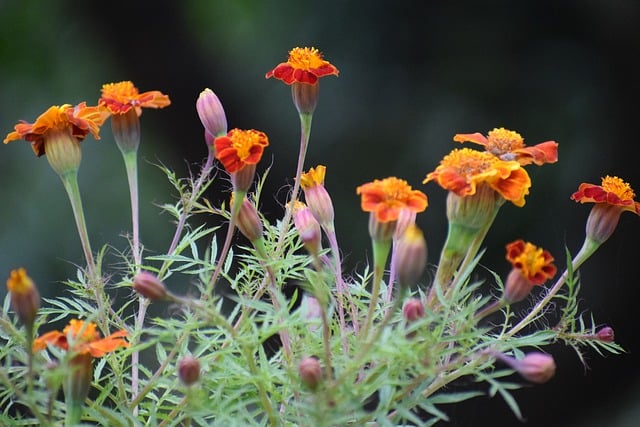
(509, 145)
(317, 197)
(313, 178)
(612, 191)
(77, 121)
(304, 65)
(119, 98)
(239, 148)
(463, 170)
(534, 264)
(82, 338)
(387, 197)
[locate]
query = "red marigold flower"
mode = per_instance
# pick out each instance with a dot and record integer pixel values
(85, 339)
(119, 98)
(387, 197)
(239, 148)
(534, 263)
(305, 65)
(77, 121)
(509, 145)
(463, 170)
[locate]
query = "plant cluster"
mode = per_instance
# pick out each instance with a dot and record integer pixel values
(376, 347)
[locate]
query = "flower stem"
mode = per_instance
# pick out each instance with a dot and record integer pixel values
(131, 164)
(380, 253)
(588, 248)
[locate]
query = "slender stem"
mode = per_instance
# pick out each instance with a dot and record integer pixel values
(131, 164)
(341, 290)
(489, 309)
(380, 253)
(588, 248)
(70, 182)
(235, 209)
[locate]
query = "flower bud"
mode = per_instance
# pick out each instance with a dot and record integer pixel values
(211, 113)
(535, 367)
(149, 286)
(317, 197)
(189, 370)
(605, 334)
(410, 256)
(249, 222)
(413, 310)
(25, 298)
(310, 372)
(308, 227)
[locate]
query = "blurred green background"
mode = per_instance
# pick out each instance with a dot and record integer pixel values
(412, 74)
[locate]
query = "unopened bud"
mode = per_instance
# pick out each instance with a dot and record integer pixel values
(211, 113)
(149, 286)
(413, 310)
(249, 222)
(308, 227)
(535, 367)
(25, 298)
(606, 334)
(189, 370)
(310, 372)
(410, 256)
(305, 96)
(517, 287)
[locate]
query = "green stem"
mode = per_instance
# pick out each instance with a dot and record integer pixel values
(70, 182)
(380, 253)
(131, 164)
(588, 248)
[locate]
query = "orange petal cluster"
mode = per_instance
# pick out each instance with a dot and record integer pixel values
(314, 177)
(509, 145)
(387, 197)
(84, 339)
(462, 170)
(239, 148)
(119, 98)
(78, 121)
(612, 191)
(304, 65)
(535, 264)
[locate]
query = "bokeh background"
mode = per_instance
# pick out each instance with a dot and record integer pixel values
(412, 74)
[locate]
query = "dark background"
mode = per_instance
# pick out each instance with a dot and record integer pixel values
(412, 74)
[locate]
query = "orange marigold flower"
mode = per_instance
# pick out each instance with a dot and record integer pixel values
(314, 177)
(305, 65)
(84, 339)
(534, 263)
(613, 191)
(387, 197)
(239, 148)
(463, 170)
(119, 98)
(509, 145)
(78, 121)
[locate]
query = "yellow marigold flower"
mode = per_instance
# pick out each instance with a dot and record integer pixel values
(509, 145)
(85, 339)
(387, 197)
(119, 98)
(314, 177)
(316, 195)
(463, 170)
(76, 121)
(304, 65)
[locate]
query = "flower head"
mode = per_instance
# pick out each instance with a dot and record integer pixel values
(119, 98)
(534, 263)
(304, 65)
(316, 195)
(387, 197)
(463, 170)
(509, 145)
(239, 148)
(82, 338)
(25, 298)
(75, 121)
(611, 198)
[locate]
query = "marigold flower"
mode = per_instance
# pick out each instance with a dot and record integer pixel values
(509, 145)
(239, 148)
(85, 339)
(463, 170)
(119, 98)
(611, 198)
(387, 197)
(25, 298)
(532, 266)
(304, 65)
(317, 197)
(410, 254)
(75, 121)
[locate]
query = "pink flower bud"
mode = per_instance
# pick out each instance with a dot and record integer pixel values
(605, 334)
(535, 367)
(149, 286)
(189, 370)
(211, 113)
(308, 228)
(410, 256)
(413, 310)
(310, 372)
(249, 222)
